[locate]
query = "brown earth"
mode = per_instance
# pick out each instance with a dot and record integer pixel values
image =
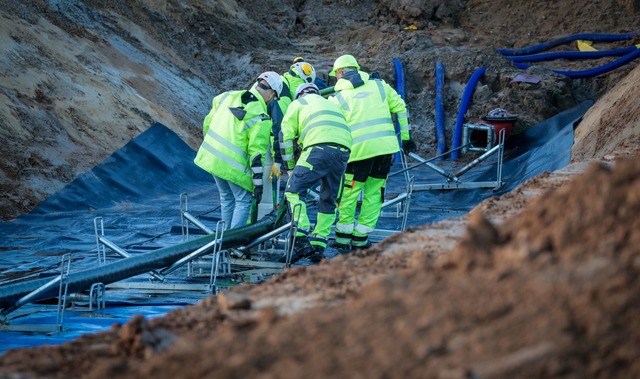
(541, 282)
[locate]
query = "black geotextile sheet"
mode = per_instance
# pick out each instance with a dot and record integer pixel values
(135, 194)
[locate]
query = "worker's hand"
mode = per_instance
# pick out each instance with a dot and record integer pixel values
(408, 146)
(275, 170)
(257, 194)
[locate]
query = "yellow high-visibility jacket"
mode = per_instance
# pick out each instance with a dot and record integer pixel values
(367, 105)
(293, 82)
(314, 120)
(236, 137)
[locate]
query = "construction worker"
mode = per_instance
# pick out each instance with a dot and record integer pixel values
(367, 104)
(276, 111)
(236, 137)
(299, 73)
(325, 140)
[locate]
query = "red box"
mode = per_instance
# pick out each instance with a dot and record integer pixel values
(500, 124)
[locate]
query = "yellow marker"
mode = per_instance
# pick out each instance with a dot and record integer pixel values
(586, 46)
(410, 27)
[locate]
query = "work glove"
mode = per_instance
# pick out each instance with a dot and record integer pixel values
(408, 146)
(275, 170)
(257, 194)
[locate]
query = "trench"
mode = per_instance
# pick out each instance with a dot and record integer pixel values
(136, 193)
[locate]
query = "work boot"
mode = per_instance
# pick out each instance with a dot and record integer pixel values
(302, 249)
(363, 247)
(341, 247)
(318, 255)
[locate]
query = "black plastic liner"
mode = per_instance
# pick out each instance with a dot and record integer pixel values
(136, 192)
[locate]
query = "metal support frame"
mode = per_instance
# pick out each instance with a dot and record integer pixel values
(402, 201)
(100, 248)
(186, 217)
(102, 241)
(467, 132)
(452, 184)
(293, 231)
(62, 294)
(223, 260)
(215, 261)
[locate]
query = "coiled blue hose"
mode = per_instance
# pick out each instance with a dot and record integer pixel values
(593, 71)
(572, 55)
(464, 104)
(564, 40)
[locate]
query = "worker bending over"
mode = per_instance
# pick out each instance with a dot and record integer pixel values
(325, 140)
(236, 137)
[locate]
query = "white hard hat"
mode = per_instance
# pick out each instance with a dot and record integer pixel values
(306, 88)
(304, 71)
(273, 79)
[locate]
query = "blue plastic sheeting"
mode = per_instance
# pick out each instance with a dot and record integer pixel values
(76, 323)
(137, 191)
(155, 164)
(543, 147)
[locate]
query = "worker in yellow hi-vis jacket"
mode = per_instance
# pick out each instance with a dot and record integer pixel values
(236, 137)
(367, 105)
(325, 140)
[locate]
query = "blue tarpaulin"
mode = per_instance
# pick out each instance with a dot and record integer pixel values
(137, 190)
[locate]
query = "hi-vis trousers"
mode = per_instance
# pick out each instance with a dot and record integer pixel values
(324, 163)
(370, 176)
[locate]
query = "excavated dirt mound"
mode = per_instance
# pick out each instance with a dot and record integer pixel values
(540, 282)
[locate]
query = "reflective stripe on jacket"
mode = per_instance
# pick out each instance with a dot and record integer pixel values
(367, 105)
(314, 120)
(236, 137)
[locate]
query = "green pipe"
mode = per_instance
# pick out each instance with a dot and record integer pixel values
(135, 265)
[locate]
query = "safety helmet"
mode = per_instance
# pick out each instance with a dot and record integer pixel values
(306, 88)
(304, 71)
(298, 59)
(342, 62)
(274, 80)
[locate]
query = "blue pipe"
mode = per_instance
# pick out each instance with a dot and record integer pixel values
(399, 70)
(464, 104)
(440, 130)
(564, 40)
(571, 55)
(593, 71)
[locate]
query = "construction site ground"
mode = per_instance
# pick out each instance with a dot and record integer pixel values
(538, 282)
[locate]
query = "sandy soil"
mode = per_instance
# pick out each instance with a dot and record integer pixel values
(540, 282)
